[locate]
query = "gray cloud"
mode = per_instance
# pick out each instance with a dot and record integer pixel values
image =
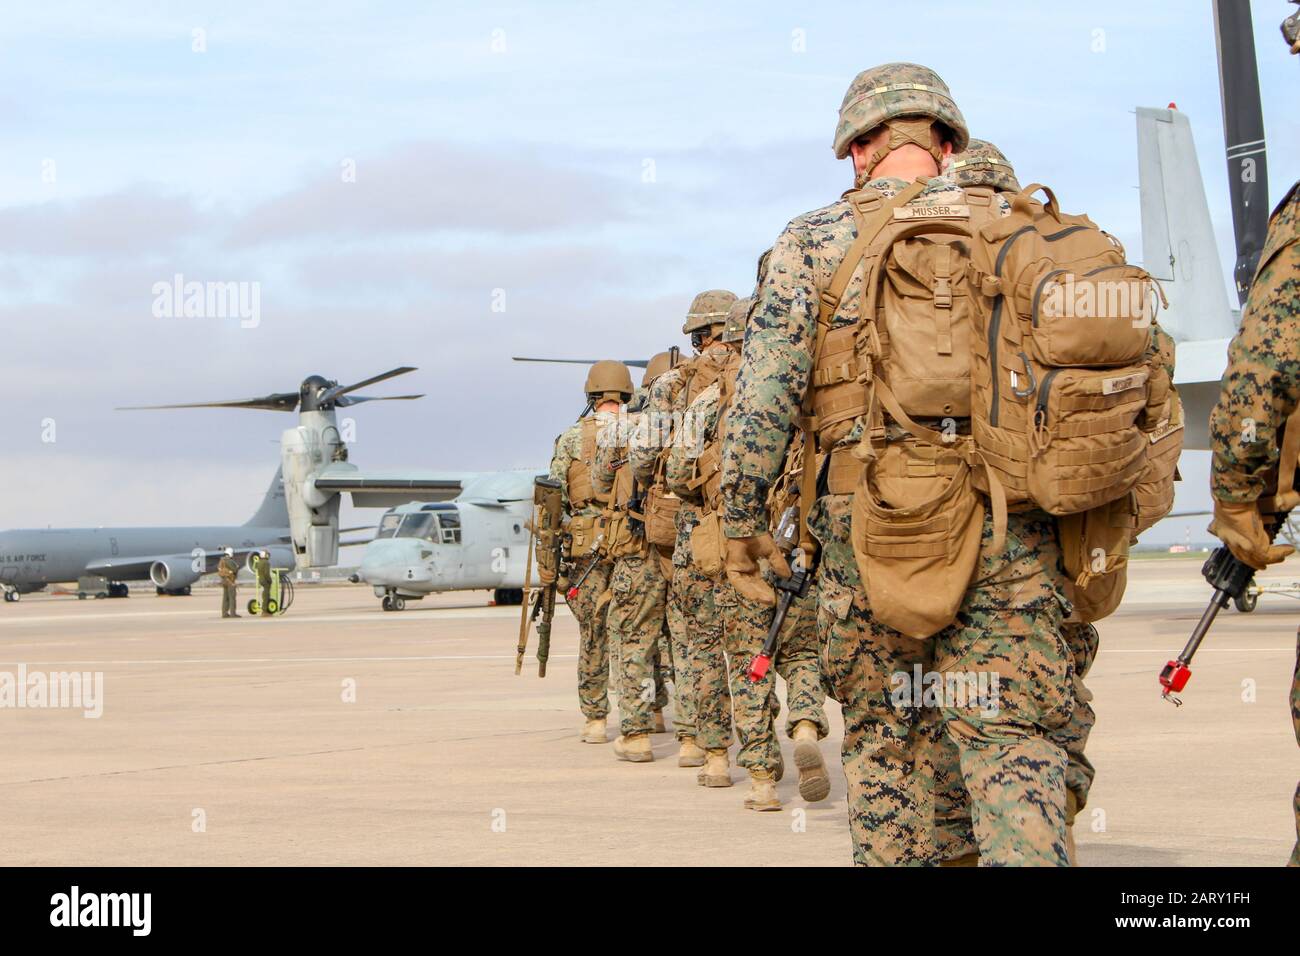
(441, 188)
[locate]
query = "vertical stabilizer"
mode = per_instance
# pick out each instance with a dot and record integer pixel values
(1178, 245)
(273, 512)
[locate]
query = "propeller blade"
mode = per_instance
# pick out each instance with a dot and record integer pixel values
(346, 400)
(1243, 128)
(279, 402)
(334, 392)
(630, 363)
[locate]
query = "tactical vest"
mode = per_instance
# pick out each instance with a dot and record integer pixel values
(581, 490)
(585, 531)
(620, 540)
(998, 359)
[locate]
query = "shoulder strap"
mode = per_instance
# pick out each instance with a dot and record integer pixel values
(870, 214)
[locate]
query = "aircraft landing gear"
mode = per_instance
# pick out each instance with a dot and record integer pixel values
(118, 589)
(12, 597)
(393, 602)
(508, 596)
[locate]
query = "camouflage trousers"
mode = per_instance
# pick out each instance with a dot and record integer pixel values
(798, 661)
(720, 649)
(593, 644)
(1295, 719)
(952, 803)
(684, 721)
(898, 748)
(635, 624)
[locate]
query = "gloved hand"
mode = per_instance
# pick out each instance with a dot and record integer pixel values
(545, 576)
(743, 555)
(1241, 528)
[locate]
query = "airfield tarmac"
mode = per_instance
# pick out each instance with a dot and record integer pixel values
(447, 757)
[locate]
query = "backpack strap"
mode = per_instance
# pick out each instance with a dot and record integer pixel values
(870, 215)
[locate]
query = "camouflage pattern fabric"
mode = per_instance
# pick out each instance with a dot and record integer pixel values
(635, 619)
(893, 90)
(982, 164)
(954, 832)
(684, 717)
(593, 642)
(636, 625)
(1008, 624)
(725, 633)
(1261, 388)
(798, 661)
(593, 646)
(777, 356)
(568, 449)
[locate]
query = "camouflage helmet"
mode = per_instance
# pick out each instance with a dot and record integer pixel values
(737, 319)
(1291, 30)
(657, 366)
(892, 91)
(982, 164)
(609, 380)
(707, 310)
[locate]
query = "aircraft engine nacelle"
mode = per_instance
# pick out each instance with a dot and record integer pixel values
(173, 573)
(313, 516)
(280, 558)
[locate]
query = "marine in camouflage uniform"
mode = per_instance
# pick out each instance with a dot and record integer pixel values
(666, 404)
(636, 621)
(725, 633)
(572, 465)
(1259, 393)
(1009, 621)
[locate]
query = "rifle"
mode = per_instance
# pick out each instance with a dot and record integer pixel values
(548, 531)
(790, 589)
(1230, 579)
(572, 593)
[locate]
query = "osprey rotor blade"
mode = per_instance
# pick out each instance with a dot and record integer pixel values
(345, 400)
(277, 402)
(630, 363)
(332, 393)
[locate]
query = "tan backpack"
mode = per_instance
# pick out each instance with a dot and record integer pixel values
(1032, 327)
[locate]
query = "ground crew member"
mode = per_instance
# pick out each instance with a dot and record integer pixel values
(637, 618)
(721, 647)
(608, 386)
(262, 569)
(1255, 427)
(900, 124)
(666, 402)
(228, 571)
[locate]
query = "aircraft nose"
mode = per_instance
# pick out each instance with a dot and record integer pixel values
(394, 562)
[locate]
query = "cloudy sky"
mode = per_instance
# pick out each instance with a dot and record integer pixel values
(388, 173)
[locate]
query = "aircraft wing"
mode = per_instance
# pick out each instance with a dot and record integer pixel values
(385, 489)
(136, 567)
(500, 488)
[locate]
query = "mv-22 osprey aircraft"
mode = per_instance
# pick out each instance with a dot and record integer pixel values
(446, 531)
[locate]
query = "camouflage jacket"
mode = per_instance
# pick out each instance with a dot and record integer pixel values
(568, 449)
(1261, 386)
(612, 443)
(777, 359)
(699, 423)
(665, 403)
